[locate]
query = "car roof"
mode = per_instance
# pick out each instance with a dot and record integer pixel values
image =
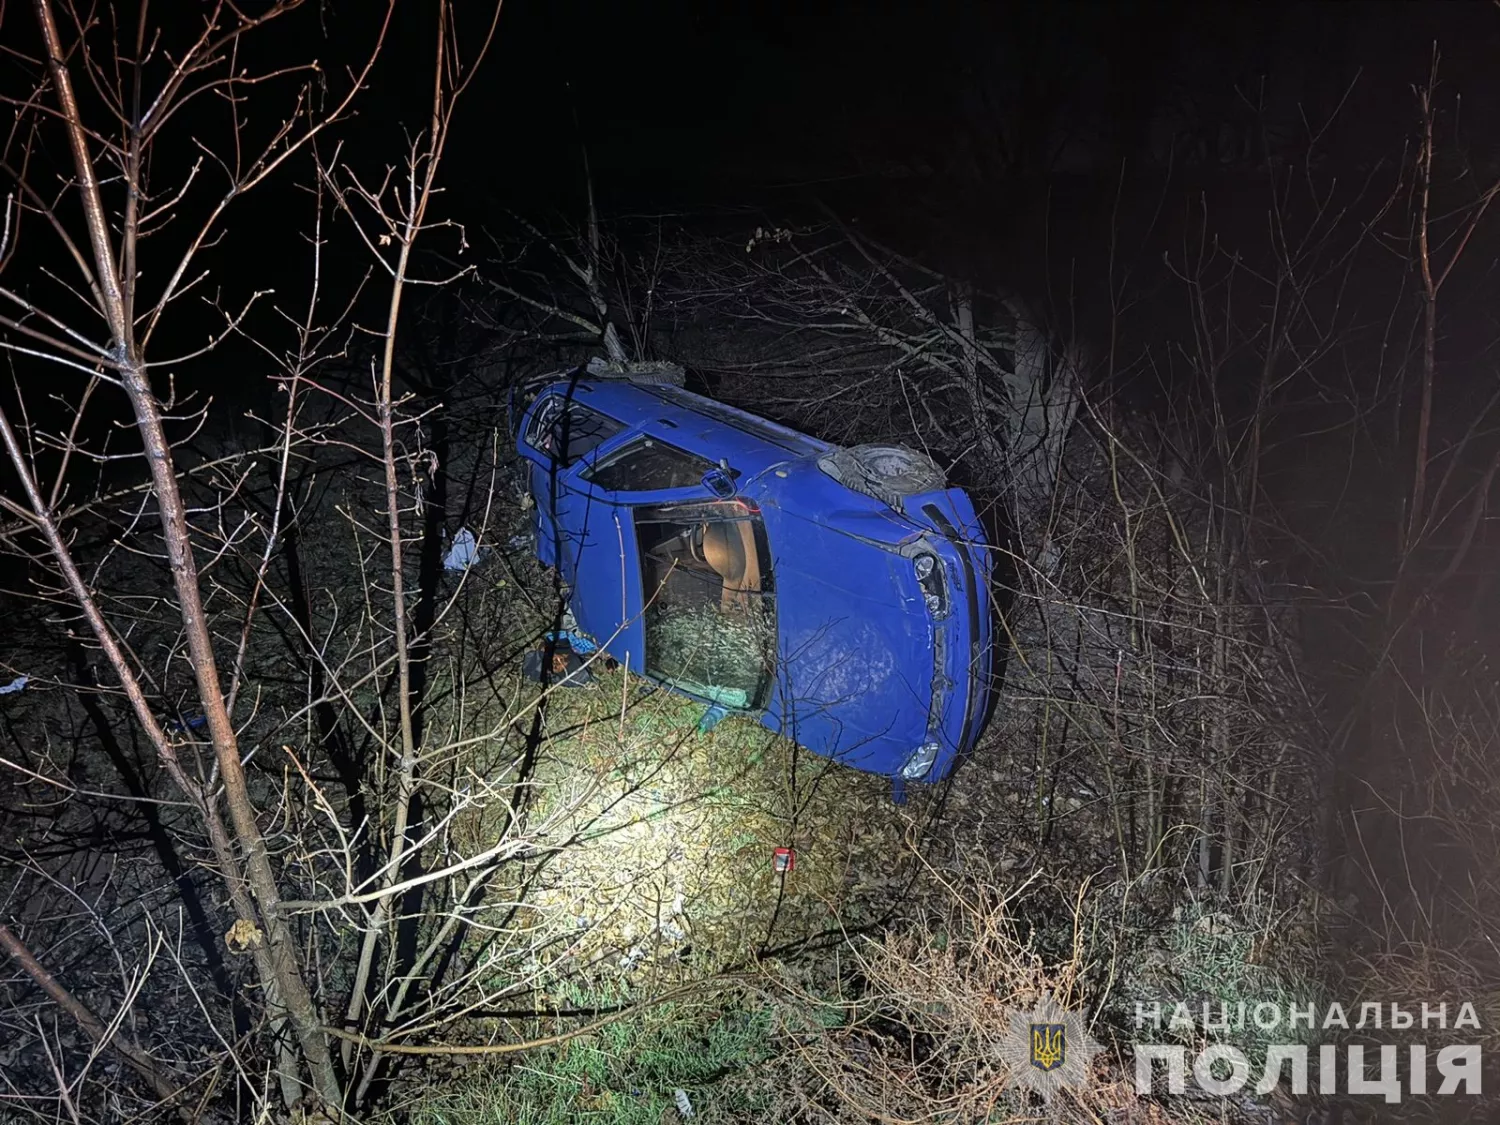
(679, 417)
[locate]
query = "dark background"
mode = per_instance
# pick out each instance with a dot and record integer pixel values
(1057, 150)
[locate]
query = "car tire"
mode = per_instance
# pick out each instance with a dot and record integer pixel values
(889, 473)
(651, 373)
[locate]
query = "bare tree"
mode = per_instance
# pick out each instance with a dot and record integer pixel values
(127, 132)
(314, 713)
(142, 91)
(567, 291)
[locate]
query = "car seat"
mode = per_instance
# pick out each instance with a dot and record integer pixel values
(729, 548)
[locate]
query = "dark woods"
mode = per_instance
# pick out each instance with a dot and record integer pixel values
(1193, 303)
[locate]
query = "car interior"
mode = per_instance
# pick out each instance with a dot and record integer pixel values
(707, 612)
(718, 556)
(728, 547)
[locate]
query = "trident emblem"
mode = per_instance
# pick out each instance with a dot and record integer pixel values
(1049, 1045)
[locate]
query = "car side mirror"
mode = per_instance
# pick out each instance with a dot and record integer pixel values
(721, 483)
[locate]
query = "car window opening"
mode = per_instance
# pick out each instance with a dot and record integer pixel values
(567, 431)
(710, 619)
(648, 466)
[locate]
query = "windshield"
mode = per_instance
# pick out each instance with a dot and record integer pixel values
(710, 615)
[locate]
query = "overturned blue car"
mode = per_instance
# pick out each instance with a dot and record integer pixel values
(839, 595)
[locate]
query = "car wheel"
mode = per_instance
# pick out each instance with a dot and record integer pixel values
(650, 372)
(889, 473)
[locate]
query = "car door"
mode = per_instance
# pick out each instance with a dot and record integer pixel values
(560, 439)
(612, 590)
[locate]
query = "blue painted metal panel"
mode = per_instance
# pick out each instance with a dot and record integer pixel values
(865, 673)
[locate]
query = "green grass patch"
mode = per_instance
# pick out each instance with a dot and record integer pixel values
(628, 1073)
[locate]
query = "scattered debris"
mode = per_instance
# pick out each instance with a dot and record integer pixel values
(575, 640)
(711, 718)
(243, 936)
(673, 932)
(463, 551)
(15, 685)
(567, 669)
(684, 1106)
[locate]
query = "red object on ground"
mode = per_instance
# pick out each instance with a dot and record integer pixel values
(783, 860)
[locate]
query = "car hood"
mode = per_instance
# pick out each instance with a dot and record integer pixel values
(854, 678)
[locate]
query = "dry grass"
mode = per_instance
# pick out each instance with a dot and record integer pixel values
(923, 1028)
(664, 836)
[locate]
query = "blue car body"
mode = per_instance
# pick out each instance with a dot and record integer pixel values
(706, 548)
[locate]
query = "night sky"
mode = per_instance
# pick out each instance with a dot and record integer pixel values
(690, 99)
(1012, 143)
